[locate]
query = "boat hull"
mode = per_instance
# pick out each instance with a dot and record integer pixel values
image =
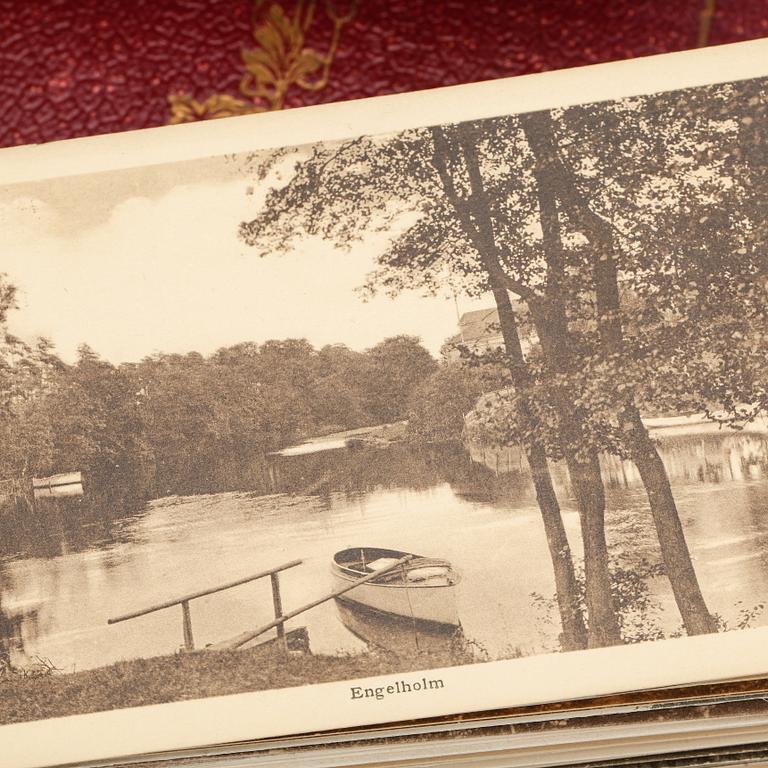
(433, 604)
(399, 635)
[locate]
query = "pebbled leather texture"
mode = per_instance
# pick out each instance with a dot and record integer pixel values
(95, 66)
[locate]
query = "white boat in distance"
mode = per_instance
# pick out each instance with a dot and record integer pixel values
(422, 589)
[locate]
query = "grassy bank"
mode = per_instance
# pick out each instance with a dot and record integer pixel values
(189, 676)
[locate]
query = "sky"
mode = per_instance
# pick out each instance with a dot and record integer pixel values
(148, 260)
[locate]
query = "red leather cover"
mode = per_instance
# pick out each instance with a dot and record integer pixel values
(95, 66)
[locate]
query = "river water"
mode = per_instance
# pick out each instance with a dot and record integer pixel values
(477, 511)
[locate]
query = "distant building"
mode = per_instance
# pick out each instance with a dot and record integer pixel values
(479, 331)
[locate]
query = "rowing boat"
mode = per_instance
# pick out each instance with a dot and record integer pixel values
(422, 589)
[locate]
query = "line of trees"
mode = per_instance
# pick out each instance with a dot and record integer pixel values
(178, 423)
(634, 234)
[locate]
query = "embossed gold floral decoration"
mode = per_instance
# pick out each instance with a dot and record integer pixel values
(280, 62)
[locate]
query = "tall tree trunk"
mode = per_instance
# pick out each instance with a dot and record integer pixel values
(674, 549)
(475, 220)
(566, 588)
(587, 485)
(552, 327)
(697, 619)
(574, 635)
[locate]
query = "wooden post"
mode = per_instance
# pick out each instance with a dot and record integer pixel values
(278, 603)
(189, 642)
(246, 637)
(274, 474)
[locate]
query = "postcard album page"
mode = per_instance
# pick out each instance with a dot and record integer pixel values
(435, 403)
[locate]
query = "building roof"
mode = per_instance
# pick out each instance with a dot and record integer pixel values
(480, 325)
(477, 326)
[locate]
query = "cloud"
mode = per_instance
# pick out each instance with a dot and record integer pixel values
(169, 274)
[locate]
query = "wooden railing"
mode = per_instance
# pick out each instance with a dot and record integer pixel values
(279, 621)
(280, 618)
(184, 601)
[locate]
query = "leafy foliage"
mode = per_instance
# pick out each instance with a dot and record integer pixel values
(678, 179)
(439, 405)
(164, 425)
(638, 611)
(633, 230)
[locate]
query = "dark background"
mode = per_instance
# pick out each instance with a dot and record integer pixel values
(96, 66)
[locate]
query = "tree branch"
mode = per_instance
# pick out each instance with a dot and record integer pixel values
(519, 289)
(439, 155)
(471, 228)
(537, 127)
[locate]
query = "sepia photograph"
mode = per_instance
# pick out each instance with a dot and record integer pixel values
(457, 394)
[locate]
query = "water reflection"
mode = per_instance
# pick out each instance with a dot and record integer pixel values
(71, 566)
(711, 458)
(401, 636)
(19, 621)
